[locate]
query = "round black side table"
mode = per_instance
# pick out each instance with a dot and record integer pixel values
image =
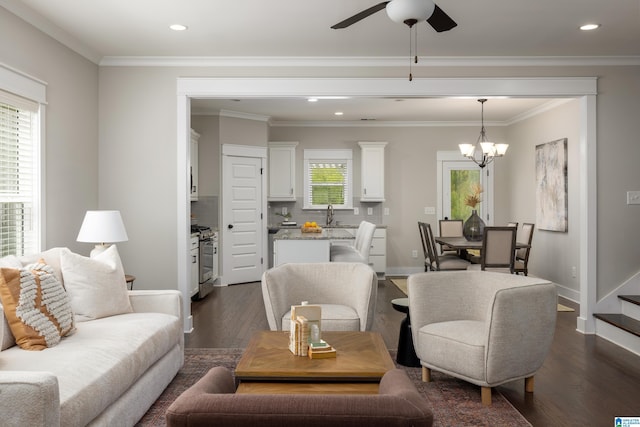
(406, 352)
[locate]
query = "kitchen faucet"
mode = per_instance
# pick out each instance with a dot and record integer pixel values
(329, 214)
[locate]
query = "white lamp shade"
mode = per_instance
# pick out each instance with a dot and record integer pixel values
(467, 149)
(401, 10)
(501, 149)
(488, 148)
(102, 227)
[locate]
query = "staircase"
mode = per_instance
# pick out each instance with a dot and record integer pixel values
(622, 328)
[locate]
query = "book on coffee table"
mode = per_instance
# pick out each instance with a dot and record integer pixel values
(325, 353)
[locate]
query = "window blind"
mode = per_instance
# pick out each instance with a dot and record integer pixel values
(328, 182)
(18, 175)
(327, 178)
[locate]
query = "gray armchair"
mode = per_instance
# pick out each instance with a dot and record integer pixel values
(346, 292)
(486, 328)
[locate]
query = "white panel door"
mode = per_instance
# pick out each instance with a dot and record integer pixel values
(242, 223)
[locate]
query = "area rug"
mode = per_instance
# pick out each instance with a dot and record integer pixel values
(453, 402)
(402, 285)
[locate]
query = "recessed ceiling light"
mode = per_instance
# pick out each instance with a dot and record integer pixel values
(589, 27)
(178, 27)
(312, 99)
(338, 113)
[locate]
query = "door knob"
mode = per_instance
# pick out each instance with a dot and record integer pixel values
(230, 226)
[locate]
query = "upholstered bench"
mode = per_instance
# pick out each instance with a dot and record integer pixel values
(212, 401)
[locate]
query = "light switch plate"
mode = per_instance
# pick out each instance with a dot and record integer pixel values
(284, 210)
(429, 210)
(356, 211)
(369, 211)
(633, 197)
(386, 211)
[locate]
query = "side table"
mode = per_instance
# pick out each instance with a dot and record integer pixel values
(406, 352)
(129, 279)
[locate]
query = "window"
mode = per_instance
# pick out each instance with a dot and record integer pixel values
(327, 179)
(19, 175)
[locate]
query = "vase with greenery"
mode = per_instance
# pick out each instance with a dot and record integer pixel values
(473, 229)
(287, 216)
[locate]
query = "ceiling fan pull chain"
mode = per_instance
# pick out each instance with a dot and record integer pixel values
(415, 34)
(410, 55)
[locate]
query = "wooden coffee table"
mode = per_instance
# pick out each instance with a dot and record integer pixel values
(267, 365)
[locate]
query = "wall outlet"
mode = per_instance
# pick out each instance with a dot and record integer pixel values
(414, 253)
(356, 211)
(633, 197)
(369, 211)
(284, 210)
(574, 272)
(386, 211)
(429, 210)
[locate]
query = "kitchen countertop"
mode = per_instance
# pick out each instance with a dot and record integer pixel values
(294, 233)
(324, 227)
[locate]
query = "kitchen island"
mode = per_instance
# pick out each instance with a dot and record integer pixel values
(292, 245)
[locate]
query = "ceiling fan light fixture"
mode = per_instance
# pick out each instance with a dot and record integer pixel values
(401, 11)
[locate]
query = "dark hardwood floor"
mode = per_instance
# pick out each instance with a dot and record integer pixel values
(585, 380)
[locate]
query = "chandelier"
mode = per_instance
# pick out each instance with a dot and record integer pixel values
(489, 150)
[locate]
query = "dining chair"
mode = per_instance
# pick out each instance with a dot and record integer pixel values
(522, 255)
(449, 228)
(423, 240)
(498, 249)
(440, 262)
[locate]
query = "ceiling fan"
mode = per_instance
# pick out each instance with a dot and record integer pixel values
(408, 12)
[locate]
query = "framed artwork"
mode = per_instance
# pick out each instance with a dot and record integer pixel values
(551, 186)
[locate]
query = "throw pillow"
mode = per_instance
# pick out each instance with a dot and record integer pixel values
(6, 336)
(35, 305)
(96, 286)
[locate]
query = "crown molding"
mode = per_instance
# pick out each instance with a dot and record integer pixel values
(27, 14)
(318, 61)
(380, 123)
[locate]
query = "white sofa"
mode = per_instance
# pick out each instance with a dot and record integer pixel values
(107, 373)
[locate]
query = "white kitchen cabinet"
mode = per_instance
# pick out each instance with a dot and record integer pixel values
(286, 251)
(378, 254)
(195, 265)
(372, 171)
(193, 165)
(282, 171)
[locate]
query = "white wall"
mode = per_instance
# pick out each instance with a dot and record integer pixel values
(553, 254)
(71, 135)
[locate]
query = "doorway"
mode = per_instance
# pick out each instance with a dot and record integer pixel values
(582, 88)
(455, 180)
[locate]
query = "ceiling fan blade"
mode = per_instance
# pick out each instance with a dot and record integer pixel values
(359, 16)
(440, 21)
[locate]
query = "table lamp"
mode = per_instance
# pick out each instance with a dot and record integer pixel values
(102, 228)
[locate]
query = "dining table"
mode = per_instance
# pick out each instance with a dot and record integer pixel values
(462, 245)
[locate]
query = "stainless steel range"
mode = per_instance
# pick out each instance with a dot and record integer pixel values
(208, 255)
